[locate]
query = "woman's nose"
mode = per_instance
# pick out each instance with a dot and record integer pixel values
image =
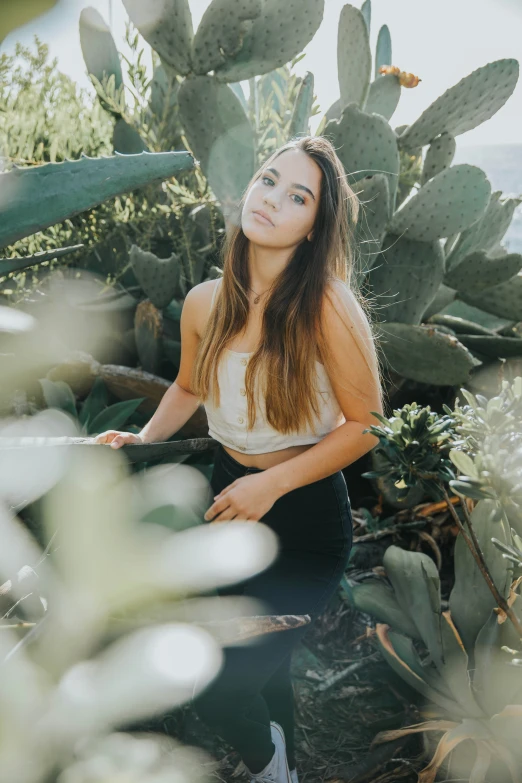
(271, 203)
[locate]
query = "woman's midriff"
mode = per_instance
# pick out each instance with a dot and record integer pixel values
(267, 459)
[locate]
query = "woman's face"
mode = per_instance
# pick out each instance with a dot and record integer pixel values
(287, 191)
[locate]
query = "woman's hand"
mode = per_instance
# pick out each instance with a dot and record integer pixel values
(115, 438)
(248, 498)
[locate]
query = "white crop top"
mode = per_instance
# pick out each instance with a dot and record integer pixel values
(228, 422)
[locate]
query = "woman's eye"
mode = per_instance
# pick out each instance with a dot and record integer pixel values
(301, 200)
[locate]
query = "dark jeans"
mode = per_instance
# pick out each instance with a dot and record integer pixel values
(314, 527)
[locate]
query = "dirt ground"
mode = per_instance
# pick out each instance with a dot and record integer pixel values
(345, 693)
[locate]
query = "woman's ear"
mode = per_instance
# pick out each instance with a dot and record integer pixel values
(310, 236)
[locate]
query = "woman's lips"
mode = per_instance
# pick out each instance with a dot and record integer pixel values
(262, 219)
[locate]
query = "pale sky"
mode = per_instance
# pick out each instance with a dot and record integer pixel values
(440, 42)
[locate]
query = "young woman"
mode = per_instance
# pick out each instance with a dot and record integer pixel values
(283, 356)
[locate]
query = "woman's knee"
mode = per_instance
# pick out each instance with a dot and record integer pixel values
(217, 702)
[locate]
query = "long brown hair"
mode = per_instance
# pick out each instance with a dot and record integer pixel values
(291, 325)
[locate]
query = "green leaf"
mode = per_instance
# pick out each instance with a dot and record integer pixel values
(58, 394)
(378, 599)
(115, 416)
(464, 463)
(95, 402)
(469, 490)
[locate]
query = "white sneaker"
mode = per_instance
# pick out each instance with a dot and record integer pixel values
(293, 776)
(276, 771)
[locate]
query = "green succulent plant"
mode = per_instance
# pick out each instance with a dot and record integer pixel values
(465, 661)
(419, 448)
(93, 414)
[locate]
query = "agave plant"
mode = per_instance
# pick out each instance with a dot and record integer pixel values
(470, 667)
(465, 662)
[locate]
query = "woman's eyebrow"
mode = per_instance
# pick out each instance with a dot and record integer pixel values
(294, 184)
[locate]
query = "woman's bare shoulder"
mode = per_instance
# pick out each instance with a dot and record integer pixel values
(339, 301)
(199, 300)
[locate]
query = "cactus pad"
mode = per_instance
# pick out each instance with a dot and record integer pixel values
(354, 57)
(383, 52)
(460, 325)
(384, 95)
(447, 204)
(366, 145)
(504, 300)
(163, 90)
(159, 277)
(167, 26)
(374, 195)
(439, 156)
(98, 47)
(424, 354)
(219, 37)
(406, 278)
(487, 232)
(126, 139)
(366, 11)
(280, 33)
(492, 346)
(220, 135)
(478, 271)
(473, 100)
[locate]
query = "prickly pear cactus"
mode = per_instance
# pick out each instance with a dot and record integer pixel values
(383, 53)
(278, 33)
(219, 37)
(220, 135)
(425, 354)
(504, 300)
(167, 26)
(373, 193)
(407, 277)
(354, 57)
(478, 272)
(383, 96)
(438, 247)
(366, 145)
(469, 103)
(159, 277)
(98, 47)
(485, 233)
(439, 156)
(450, 202)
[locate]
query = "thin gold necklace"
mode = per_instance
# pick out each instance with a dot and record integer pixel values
(258, 296)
